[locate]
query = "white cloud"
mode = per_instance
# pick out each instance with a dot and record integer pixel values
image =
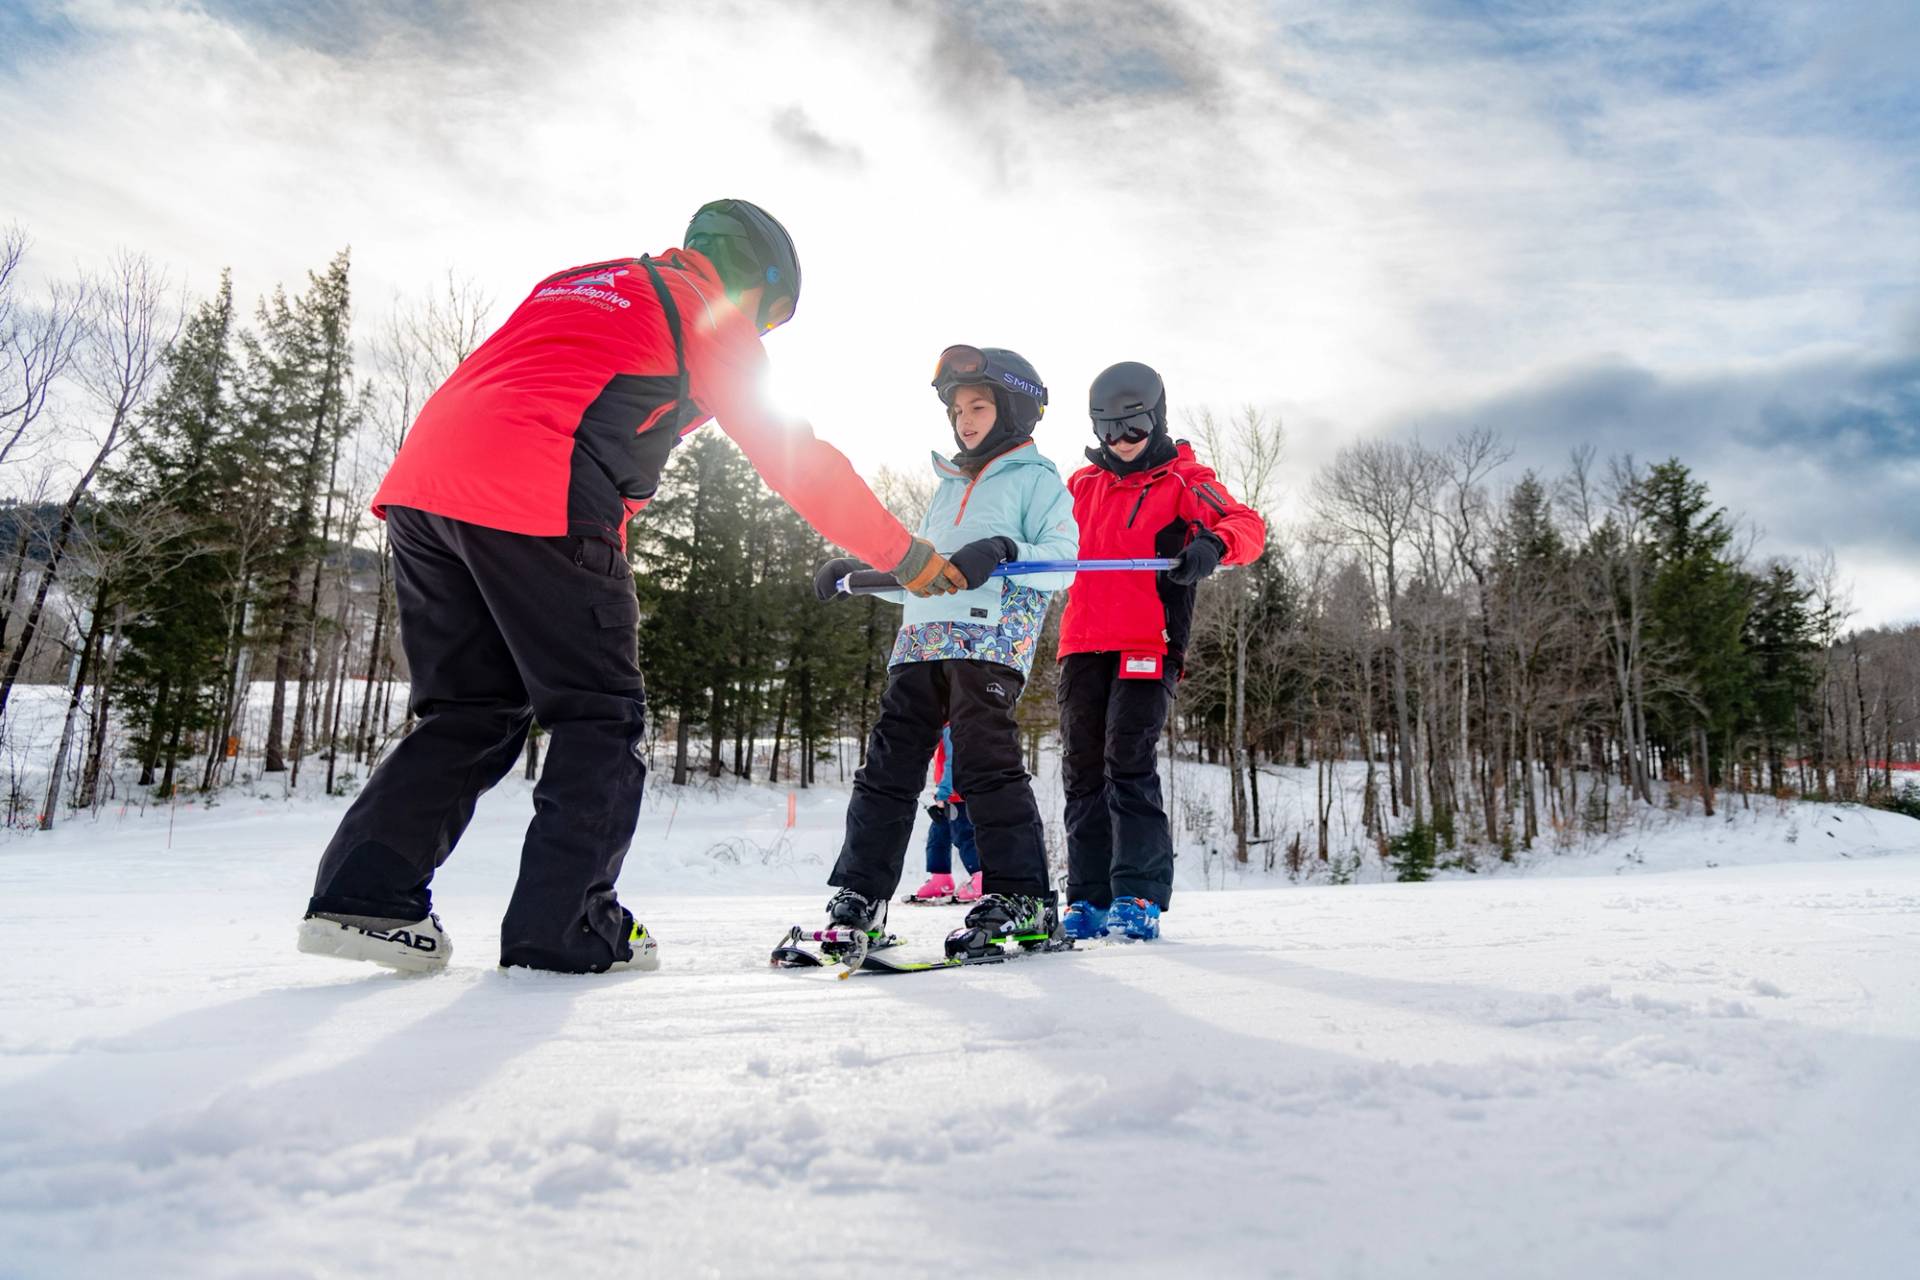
(1353, 214)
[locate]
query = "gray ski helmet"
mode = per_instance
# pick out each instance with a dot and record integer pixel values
(1127, 399)
(749, 248)
(1013, 380)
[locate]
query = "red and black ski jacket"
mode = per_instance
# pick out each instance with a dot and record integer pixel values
(562, 420)
(1152, 512)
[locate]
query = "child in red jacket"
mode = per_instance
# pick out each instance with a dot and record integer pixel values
(1123, 644)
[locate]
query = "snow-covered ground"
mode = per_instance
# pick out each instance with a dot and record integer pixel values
(1680, 1073)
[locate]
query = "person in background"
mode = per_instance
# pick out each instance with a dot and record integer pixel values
(951, 831)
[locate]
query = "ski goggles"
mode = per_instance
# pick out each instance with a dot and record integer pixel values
(1131, 429)
(963, 365)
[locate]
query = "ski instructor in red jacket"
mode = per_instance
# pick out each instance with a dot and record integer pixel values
(1123, 643)
(507, 510)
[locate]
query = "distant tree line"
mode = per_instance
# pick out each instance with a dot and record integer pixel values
(189, 557)
(1496, 653)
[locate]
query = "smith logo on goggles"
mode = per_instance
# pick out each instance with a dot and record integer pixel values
(963, 366)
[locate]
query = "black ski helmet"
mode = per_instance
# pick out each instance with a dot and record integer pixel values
(1127, 399)
(749, 248)
(1019, 397)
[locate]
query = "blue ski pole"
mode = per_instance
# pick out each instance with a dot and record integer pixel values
(866, 582)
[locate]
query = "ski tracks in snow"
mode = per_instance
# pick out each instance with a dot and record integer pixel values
(1701, 1074)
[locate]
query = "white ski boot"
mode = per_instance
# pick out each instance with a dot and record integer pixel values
(646, 952)
(411, 946)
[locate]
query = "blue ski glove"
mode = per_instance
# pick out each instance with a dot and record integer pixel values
(1200, 558)
(826, 579)
(977, 560)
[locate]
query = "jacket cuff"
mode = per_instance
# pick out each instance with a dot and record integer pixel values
(919, 551)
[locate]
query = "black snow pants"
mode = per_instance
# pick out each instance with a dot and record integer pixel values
(1118, 844)
(501, 629)
(977, 699)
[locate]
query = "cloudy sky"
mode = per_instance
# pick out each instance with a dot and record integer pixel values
(1658, 226)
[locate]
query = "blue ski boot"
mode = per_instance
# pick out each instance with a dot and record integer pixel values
(1084, 920)
(1138, 918)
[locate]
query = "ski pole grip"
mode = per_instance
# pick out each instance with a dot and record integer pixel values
(867, 582)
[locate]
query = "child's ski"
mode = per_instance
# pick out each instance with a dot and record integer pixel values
(841, 946)
(1029, 944)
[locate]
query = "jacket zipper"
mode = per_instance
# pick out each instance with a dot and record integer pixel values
(962, 513)
(1144, 490)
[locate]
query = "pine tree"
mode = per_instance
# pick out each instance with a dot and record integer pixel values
(687, 547)
(182, 466)
(297, 403)
(1781, 639)
(1699, 600)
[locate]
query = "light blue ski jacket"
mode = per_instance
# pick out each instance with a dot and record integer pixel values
(1019, 495)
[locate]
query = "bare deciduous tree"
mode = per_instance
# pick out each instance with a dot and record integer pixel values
(130, 321)
(1372, 493)
(1245, 452)
(37, 345)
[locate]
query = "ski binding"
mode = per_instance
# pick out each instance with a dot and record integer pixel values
(839, 945)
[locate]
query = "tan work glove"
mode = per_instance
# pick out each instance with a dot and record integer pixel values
(925, 572)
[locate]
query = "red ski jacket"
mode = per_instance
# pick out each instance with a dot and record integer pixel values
(1152, 512)
(562, 420)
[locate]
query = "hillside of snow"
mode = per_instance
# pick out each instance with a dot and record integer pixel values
(1632, 1070)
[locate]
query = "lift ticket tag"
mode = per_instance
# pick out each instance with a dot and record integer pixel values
(1139, 666)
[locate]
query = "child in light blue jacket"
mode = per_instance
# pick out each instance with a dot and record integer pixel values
(963, 657)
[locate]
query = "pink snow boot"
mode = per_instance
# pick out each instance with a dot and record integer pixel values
(937, 890)
(970, 892)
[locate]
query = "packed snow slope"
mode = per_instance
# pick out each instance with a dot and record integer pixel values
(1695, 1073)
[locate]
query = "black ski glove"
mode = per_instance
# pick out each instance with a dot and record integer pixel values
(1201, 557)
(826, 579)
(938, 812)
(977, 559)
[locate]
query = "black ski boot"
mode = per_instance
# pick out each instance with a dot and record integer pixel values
(854, 923)
(1000, 918)
(857, 911)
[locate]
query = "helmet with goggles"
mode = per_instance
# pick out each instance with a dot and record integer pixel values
(1127, 402)
(1019, 397)
(1016, 386)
